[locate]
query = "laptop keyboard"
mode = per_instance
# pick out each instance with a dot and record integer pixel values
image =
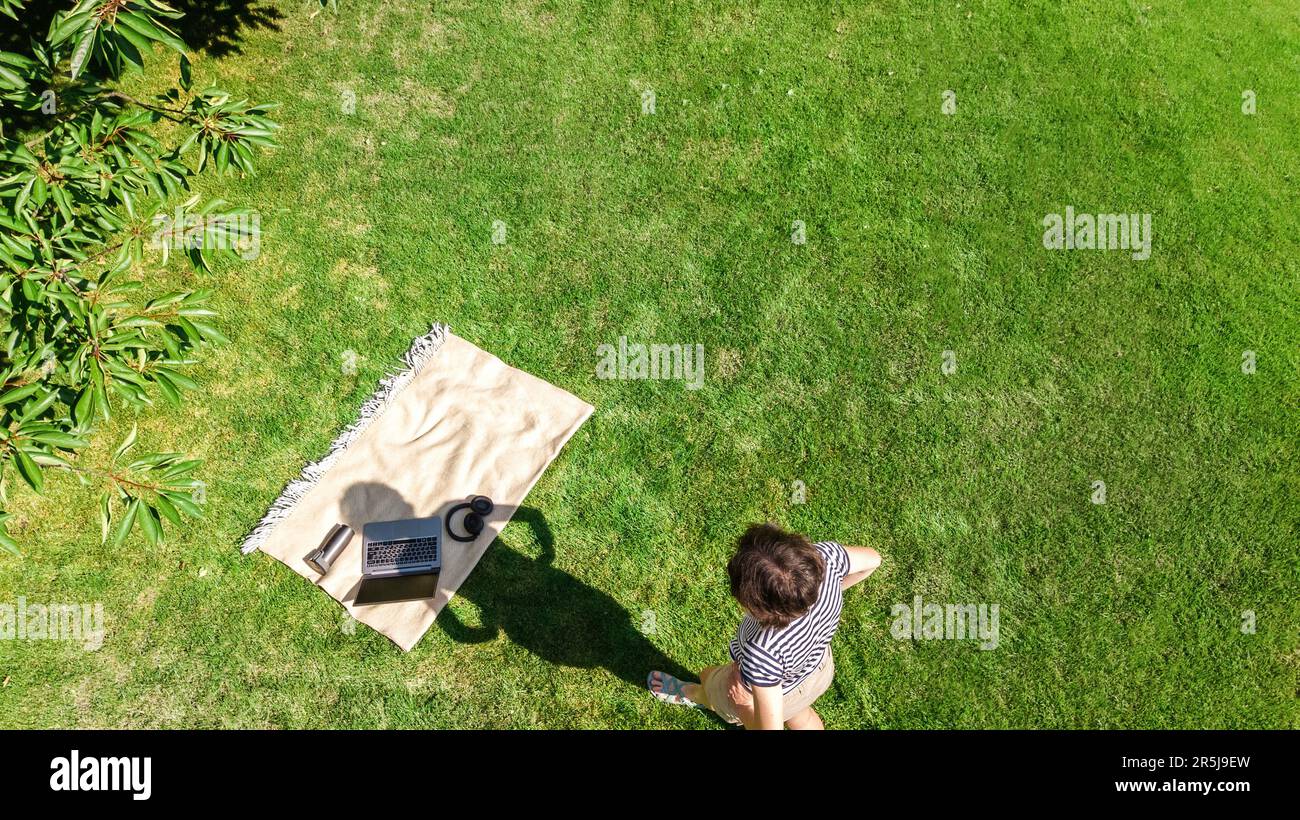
(401, 553)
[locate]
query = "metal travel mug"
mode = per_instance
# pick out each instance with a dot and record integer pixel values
(330, 549)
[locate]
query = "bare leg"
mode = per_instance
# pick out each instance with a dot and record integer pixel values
(696, 691)
(807, 719)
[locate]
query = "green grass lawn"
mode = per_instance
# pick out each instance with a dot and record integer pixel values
(824, 361)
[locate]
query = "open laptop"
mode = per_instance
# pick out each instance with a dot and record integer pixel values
(400, 560)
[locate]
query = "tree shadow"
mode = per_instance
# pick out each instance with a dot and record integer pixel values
(33, 23)
(552, 614)
(368, 501)
(215, 26)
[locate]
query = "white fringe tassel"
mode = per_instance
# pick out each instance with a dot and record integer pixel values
(422, 350)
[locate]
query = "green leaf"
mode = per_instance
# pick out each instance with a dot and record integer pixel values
(180, 379)
(65, 25)
(19, 393)
(85, 43)
(126, 444)
(127, 521)
(84, 410)
(149, 524)
(44, 459)
(209, 332)
(100, 396)
(21, 199)
(168, 390)
(105, 516)
(65, 441)
(186, 504)
(35, 410)
(8, 544)
(29, 470)
(165, 507)
(135, 38)
(152, 30)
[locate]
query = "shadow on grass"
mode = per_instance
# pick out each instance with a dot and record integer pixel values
(552, 614)
(545, 610)
(215, 26)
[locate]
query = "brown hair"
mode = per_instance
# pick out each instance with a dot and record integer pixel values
(775, 575)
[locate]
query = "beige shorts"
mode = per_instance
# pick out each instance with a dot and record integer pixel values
(793, 702)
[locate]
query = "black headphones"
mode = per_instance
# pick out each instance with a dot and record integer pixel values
(478, 506)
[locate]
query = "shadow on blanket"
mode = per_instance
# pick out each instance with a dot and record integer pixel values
(552, 614)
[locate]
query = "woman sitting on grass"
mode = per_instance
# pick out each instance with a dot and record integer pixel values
(792, 594)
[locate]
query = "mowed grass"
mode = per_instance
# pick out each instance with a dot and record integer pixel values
(823, 362)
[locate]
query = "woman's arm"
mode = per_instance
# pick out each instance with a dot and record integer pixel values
(862, 562)
(762, 707)
(768, 708)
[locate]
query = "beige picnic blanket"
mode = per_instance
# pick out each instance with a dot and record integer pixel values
(456, 423)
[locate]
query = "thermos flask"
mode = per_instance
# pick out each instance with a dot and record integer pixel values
(323, 557)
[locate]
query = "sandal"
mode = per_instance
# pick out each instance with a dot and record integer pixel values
(670, 690)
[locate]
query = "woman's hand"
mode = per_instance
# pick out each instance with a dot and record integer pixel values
(736, 689)
(758, 709)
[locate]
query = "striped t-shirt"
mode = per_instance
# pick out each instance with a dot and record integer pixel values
(768, 656)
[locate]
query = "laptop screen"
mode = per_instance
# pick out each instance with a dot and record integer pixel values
(397, 588)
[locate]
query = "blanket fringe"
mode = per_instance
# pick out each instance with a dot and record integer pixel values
(422, 350)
